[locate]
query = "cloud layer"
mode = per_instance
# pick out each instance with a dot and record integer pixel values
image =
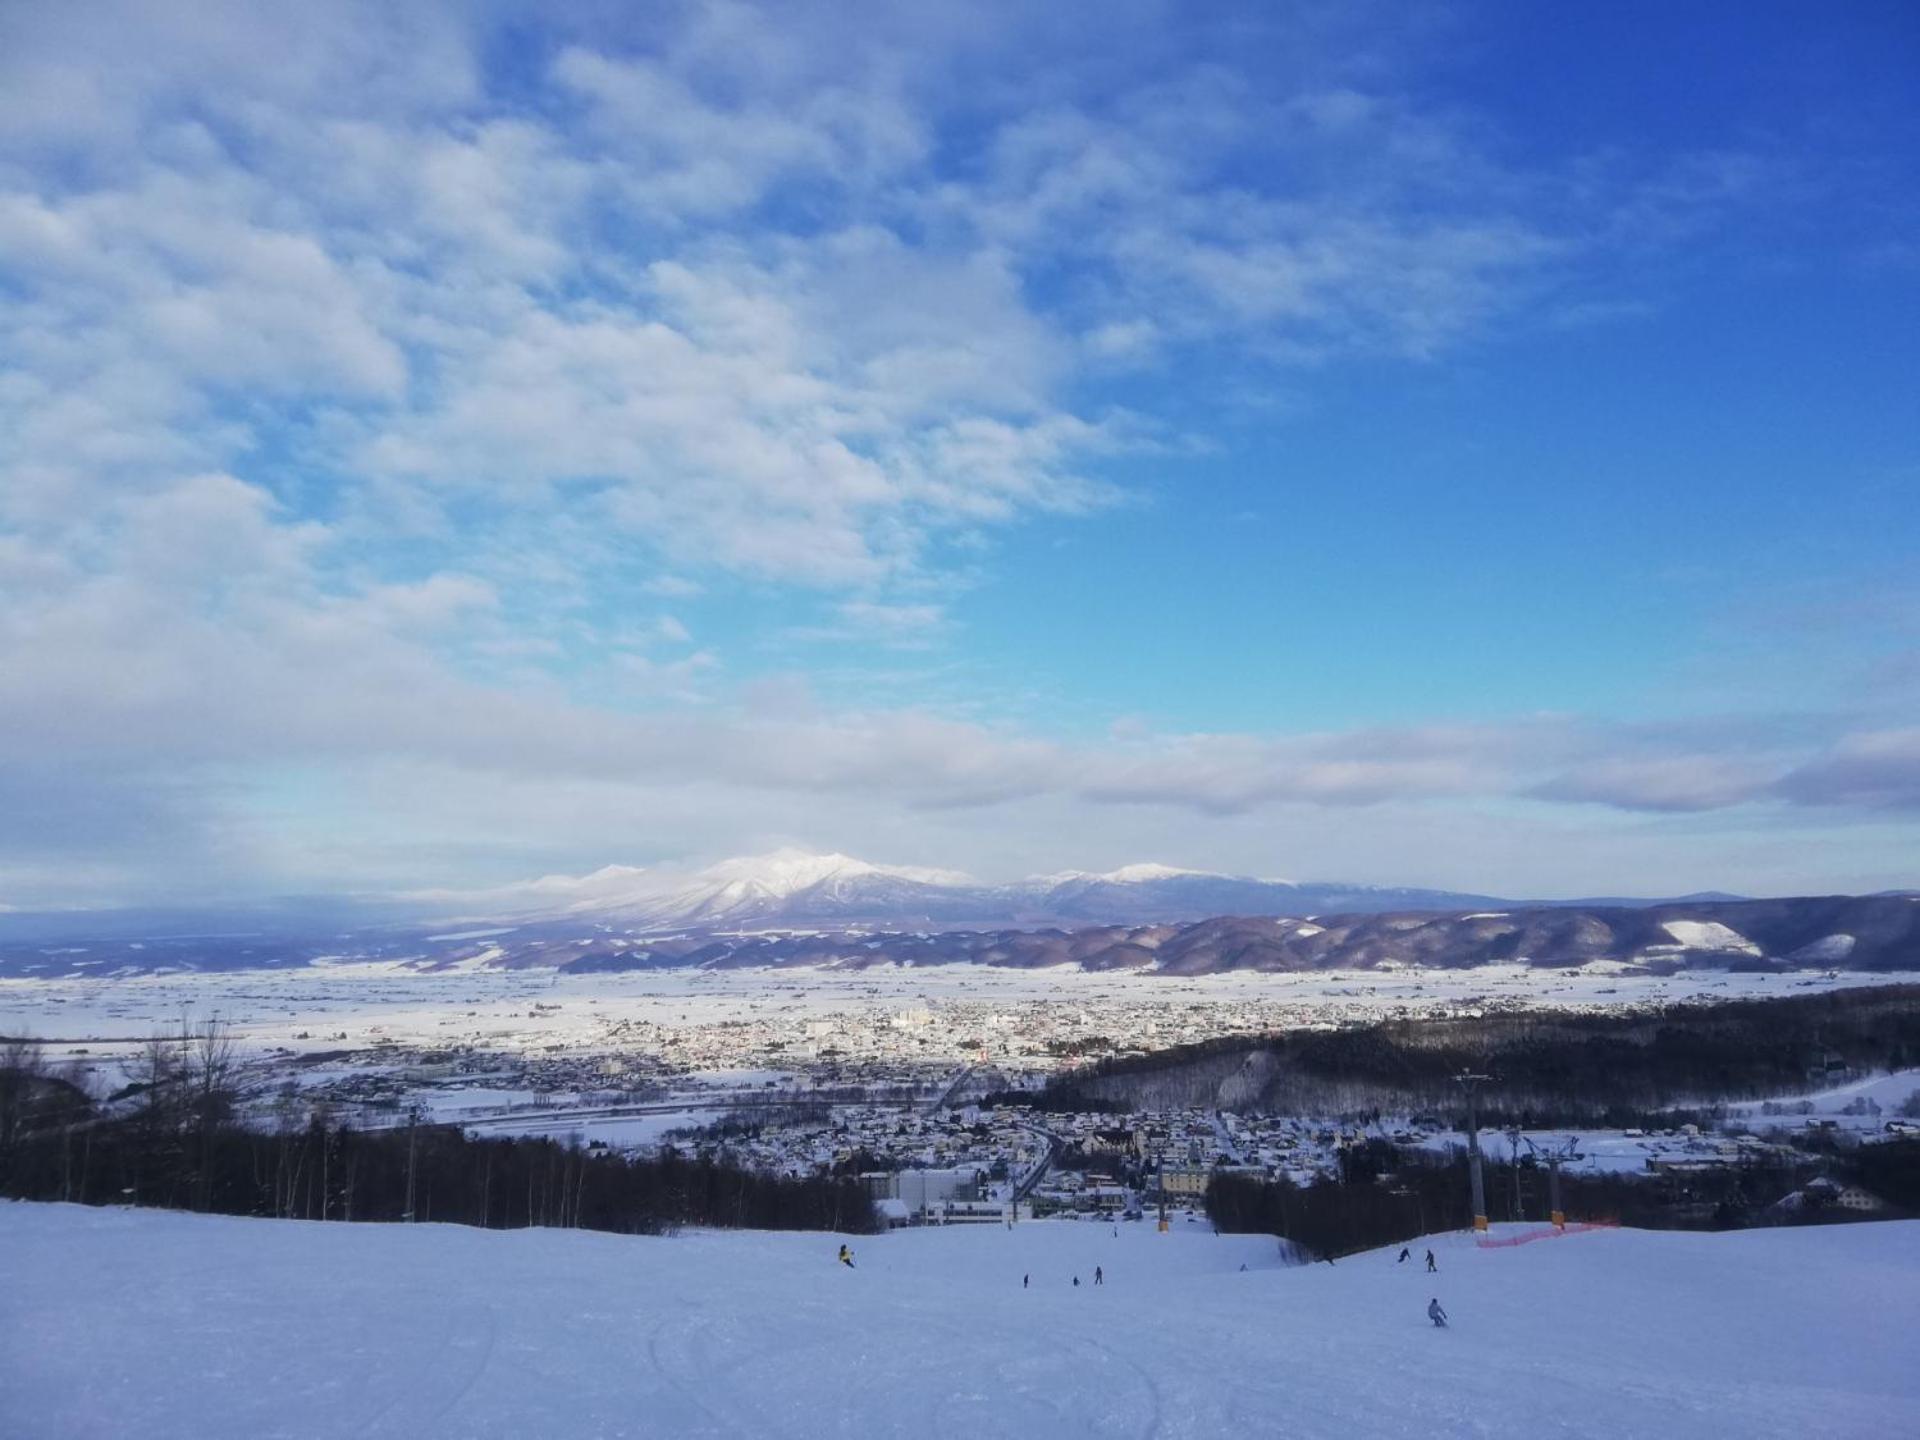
(376, 382)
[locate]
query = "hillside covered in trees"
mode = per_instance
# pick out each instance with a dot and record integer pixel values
(170, 1138)
(1549, 1067)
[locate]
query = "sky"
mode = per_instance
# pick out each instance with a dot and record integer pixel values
(1459, 445)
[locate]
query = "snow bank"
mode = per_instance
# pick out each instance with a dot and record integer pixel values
(118, 1323)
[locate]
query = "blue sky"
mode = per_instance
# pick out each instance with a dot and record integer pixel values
(1458, 445)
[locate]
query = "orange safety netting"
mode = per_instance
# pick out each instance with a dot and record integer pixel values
(1509, 1241)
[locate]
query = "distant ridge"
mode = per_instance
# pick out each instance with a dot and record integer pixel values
(796, 887)
(797, 909)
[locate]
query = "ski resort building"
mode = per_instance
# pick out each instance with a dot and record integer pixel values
(932, 1197)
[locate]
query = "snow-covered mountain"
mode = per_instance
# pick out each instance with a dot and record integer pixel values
(795, 887)
(1812, 932)
(1149, 892)
(787, 885)
(829, 911)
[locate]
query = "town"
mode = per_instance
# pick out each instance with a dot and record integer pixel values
(923, 1083)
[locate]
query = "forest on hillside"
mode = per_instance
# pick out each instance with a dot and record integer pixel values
(1547, 1067)
(171, 1138)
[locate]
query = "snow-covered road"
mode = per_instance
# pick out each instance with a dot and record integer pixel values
(116, 1323)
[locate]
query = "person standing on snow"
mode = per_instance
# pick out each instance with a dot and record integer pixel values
(1431, 1267)
(1025, 1280)
(1436, 1314)
(1099, 1276)
(846, 1257)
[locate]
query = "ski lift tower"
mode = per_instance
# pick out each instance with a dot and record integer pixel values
(1555, 1159)
(1467, 1082)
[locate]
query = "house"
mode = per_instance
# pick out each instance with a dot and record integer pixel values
(1106, 1199)
(968, 1212)
(1861, 1202)
(1826, 1196)
(1185, 1180)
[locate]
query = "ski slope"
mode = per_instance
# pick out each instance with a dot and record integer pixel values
(116, 1323)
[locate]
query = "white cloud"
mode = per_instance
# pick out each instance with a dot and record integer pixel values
(673, 587)
(353, 395)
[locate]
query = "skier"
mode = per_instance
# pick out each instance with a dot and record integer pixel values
(1099, 1276)
(846, 1257)
(1025, 1280)
(1076, 1282)
(1436, 1314)
(1431, 1267)
(1404, 1252)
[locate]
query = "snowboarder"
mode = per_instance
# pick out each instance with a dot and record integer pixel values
(846, 1257)
(1099, 1276)
(1431, 1267)
(1436, 1314)
(1404, 1252)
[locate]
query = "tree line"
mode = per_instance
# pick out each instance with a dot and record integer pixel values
(1551, 1067)
(1387, 1195)
(172, 1137)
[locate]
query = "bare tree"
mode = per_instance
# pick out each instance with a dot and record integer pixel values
(22, 1070)
(207, 1069)
(209, 1064)
(154, 1073)
(76, 1099)
(23, 1086)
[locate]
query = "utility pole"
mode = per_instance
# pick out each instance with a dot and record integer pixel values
(413, 1123)
(1467, 1082)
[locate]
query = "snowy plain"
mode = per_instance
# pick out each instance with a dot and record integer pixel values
(116, 1323)
(320, 1008)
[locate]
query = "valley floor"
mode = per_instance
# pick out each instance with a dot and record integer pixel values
(117, 1323)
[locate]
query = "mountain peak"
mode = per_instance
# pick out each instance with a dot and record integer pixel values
(1150, 870)
(788, 871)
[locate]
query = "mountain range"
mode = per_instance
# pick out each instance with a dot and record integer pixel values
(797, 909)
(795, 888)
(1871, 933)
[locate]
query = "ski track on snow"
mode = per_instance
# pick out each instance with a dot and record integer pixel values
(165, 1325)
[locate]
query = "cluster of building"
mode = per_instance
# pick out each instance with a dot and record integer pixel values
(1006, 1162)
(895, 1088)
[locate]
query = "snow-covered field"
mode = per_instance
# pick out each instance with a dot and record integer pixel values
(116, 1323)
(1862, 1106)
(362, 1004)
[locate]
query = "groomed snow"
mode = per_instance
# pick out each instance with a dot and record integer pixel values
(118, 1323)
(1709, 935)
